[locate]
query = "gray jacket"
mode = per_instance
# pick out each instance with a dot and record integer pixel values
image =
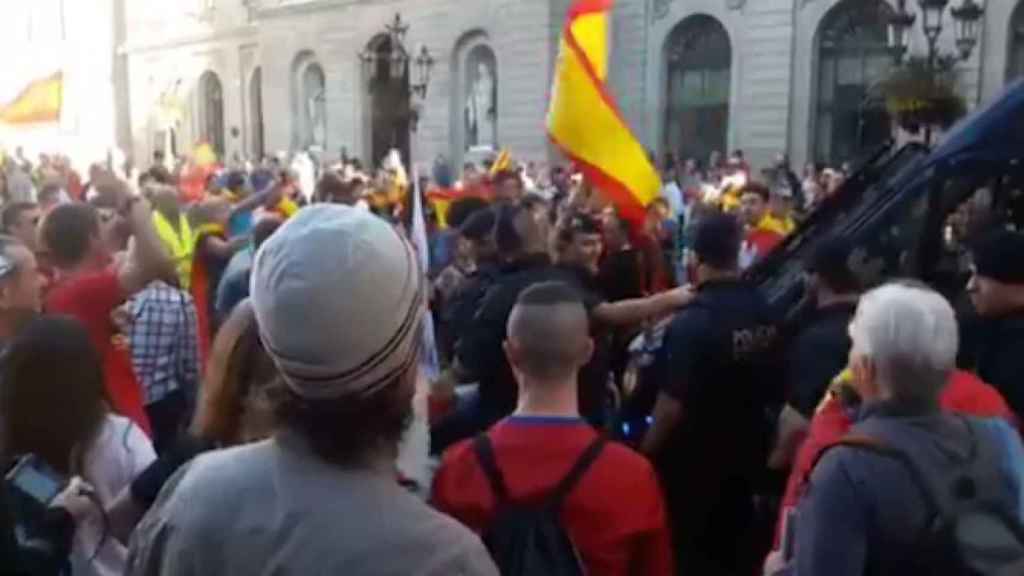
(273, 508)
(863, 513)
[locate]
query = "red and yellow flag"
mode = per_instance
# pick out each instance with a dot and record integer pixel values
(584, 121)
(38, 103)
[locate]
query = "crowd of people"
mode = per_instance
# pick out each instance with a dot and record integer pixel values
(221, 376)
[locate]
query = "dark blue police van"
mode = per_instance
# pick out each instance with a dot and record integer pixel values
(899, 208)
(898, 211)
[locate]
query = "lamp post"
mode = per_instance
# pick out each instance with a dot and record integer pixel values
(393, 63)
(966, 19)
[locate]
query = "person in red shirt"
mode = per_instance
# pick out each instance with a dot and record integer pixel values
(535, 448)
(964, 394)
(759, 239)
(88, 288)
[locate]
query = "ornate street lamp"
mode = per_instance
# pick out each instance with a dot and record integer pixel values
(424, 65)
(966, 19)
(396, 57)
(396, 30)
(932, 12)
(900, 23)
(396, 63)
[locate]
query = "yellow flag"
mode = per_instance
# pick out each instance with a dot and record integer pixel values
(38, 103)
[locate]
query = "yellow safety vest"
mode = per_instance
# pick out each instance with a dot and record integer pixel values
(181, 245)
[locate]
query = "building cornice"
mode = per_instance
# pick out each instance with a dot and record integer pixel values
(266, 8)
(661, 8)
(238, 32)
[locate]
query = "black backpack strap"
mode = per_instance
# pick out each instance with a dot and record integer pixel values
(485, 455)
(583, 463)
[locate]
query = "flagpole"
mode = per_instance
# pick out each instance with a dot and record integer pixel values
(413, 453)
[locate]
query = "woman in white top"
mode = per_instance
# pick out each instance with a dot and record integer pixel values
(53, 404)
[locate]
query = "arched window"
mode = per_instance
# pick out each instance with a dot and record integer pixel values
(853, 55)
(212, 111)
(256, 113)
(699, 59)
(310, 103)
(1015, 66)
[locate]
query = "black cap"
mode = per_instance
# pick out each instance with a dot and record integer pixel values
(479, 225)
(830, 261)
(999, 255)
(716, 240)
(462, 209)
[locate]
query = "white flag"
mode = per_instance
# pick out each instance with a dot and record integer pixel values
(413, 458)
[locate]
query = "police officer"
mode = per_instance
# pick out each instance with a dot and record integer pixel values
(709, 437)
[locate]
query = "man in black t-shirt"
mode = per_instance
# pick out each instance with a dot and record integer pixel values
(820, 347)
(997, 292)
(712, 418)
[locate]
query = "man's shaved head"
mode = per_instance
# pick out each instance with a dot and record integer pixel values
(549, 332)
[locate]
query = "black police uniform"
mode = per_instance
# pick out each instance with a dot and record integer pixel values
(819, 351)
(723, 366)
(998, 357)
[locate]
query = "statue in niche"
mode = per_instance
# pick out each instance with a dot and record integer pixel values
(481, 107)
(316, 108)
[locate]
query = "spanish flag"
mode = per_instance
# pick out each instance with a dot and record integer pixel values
(38, 103)
(584, 121)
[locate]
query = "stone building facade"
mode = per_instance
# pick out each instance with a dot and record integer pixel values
(691, 76)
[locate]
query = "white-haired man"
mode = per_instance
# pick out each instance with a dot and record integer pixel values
(871, 500)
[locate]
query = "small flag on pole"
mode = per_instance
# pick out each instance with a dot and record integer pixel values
(502, 162)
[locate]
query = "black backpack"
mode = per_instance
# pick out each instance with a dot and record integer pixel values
(529, 539)
(964, 536)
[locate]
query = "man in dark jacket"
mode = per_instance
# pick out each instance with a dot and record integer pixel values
(864, 512)
(997, 292)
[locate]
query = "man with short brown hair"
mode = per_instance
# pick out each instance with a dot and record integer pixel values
(534, 449)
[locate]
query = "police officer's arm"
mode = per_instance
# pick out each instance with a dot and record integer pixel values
(667, 413)
(685, 342)
(789, 431)
(811, 364)
(635, 311)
